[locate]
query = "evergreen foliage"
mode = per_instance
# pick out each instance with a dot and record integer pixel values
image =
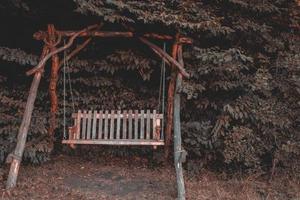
(241, 104)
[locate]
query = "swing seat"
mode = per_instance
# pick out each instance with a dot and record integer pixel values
(116, 128)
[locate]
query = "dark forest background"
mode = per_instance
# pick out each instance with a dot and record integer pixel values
(240, 108)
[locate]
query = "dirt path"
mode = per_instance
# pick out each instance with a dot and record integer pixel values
(68, 177)
(74, 178)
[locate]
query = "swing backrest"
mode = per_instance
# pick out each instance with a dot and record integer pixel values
(116, 127)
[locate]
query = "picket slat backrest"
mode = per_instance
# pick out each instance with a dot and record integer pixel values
(124, 127)
(112, 127)
(117, 125)
(100, 117)
(106, 125)
(89, 122)
(154, 124)
(148, 125)
(78, 122)
(130, 124)
(94, 129)
(83, 125)
(142, 124)
(136, 124)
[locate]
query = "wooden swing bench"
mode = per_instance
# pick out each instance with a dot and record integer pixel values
(116, 128)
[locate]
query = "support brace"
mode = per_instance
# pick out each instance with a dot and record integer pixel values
(23, 130)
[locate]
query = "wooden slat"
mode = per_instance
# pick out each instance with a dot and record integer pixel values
(130, 124)
(136, 124)
(116, 142)
(86, 125)
(94, 128)
(83, 132)
(112, 127)
(142, 124)
(100, 124)
(106, 124)
(89, 123)
(148, 125)
(78, 124)
(124, 132)
(118, 124)
(154, 125)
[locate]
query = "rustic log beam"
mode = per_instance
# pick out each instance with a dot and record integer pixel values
(185, 40)
(23, 130)
(68, 45)
(97, 34)
(76, 51)
(171, 89)
(53, 81)
(158, 36)
(179, 153)
(165, 56)
(40, 35)
(79, 48)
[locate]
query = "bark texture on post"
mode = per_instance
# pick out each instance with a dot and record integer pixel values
(53, 81)
(179, 153)
(23, 130)
(170, 105)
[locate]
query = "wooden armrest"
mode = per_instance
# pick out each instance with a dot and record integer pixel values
(72, 132)
(157, 133)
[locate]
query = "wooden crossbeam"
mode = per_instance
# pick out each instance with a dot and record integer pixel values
(58, 50)
(90, 31)
(41, 35)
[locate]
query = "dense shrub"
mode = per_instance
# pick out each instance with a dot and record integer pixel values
(242, 101)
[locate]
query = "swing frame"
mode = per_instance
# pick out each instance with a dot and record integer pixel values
(52, 38)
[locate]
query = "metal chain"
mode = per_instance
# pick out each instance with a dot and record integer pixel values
(66, 67)
(160, 87)
(163, 91)
(70, 86)
(64, 88)
(161, 84)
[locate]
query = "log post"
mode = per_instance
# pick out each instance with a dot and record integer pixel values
(53, 81)
(179, 153)
(171, 89)
(16, 157)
